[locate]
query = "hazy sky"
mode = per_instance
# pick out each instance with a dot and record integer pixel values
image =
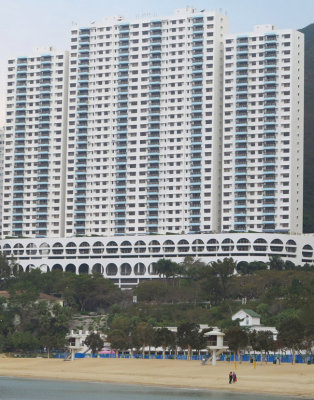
(27, 24)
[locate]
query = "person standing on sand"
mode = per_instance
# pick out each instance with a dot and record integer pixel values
(230, 377)
(234, 377)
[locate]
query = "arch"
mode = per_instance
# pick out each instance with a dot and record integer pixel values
(260, 244)
(307, 251)
(152, 269)
(70, 248)
(140, 247)
(183, 246)
(98, 269)
(227, 245)
(126, 247)
(57, 248)
(112, 247)
(212, 245)
(44, 249)
(30, 267)
(98, 247)
(44, 268)
(83, 269)
(168, 246)
(7, 249)
(111, 269)
(31, 249)
(154, 246)
(18, 249)
(139, 269)
(243, 244)
(125, 269)
(84, 248)
(70, 268)
(198, 245)
(57, 267)
(242, 265)
(276, 245)
(18, 268)
(291, 246)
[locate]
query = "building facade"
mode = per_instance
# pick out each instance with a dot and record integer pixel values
(1, 172)
(156, 126)
(252, 321)
(128, 260)
(263, 131)
(35, 145)
(144, 131)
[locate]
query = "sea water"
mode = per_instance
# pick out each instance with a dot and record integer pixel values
(31, 389)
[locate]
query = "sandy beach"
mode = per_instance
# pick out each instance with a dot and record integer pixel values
(285, 379)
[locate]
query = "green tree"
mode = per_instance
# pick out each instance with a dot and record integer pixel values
(291, 334)
(23, 309)
(224, 270)
(7, 270)
(164, 338)
(143, 335)
(118, 340)
(307, 315)
(22, 341)
(53, 325)
(94, 342)
(88, 292)
(154, 290)
(120, 332)
(167, 268)
(193, 267)
(262, 341)
(246, 268)
(189, 337)
(276, 262)
(237, 339)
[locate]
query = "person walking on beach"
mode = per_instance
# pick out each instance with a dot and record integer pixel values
(230, 377)
(234, 377)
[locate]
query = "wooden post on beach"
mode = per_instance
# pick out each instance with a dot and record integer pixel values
(235, 364)
(254, 364)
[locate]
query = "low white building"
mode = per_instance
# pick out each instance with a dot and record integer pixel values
(252, 321)
(128, 260)
(247, 318)
(76, 342)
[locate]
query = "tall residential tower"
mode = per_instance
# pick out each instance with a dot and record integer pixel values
(35, 145)
(145, 123)
(263, 131)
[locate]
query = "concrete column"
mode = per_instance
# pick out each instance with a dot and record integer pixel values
(214, 358)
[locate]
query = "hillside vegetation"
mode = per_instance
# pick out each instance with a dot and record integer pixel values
(188, 293)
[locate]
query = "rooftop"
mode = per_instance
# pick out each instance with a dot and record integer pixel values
(42, 296)
(251, 313)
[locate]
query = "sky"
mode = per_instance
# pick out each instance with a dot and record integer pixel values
(27, 24)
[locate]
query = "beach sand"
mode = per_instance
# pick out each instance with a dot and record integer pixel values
(285, 379)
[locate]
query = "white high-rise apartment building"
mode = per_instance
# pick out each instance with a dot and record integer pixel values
(144, 127)
(262, 165)
(1, 172)
(35, 145)
(165, 125)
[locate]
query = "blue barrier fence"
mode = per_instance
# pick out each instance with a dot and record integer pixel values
(246, 357)
(270, 358)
